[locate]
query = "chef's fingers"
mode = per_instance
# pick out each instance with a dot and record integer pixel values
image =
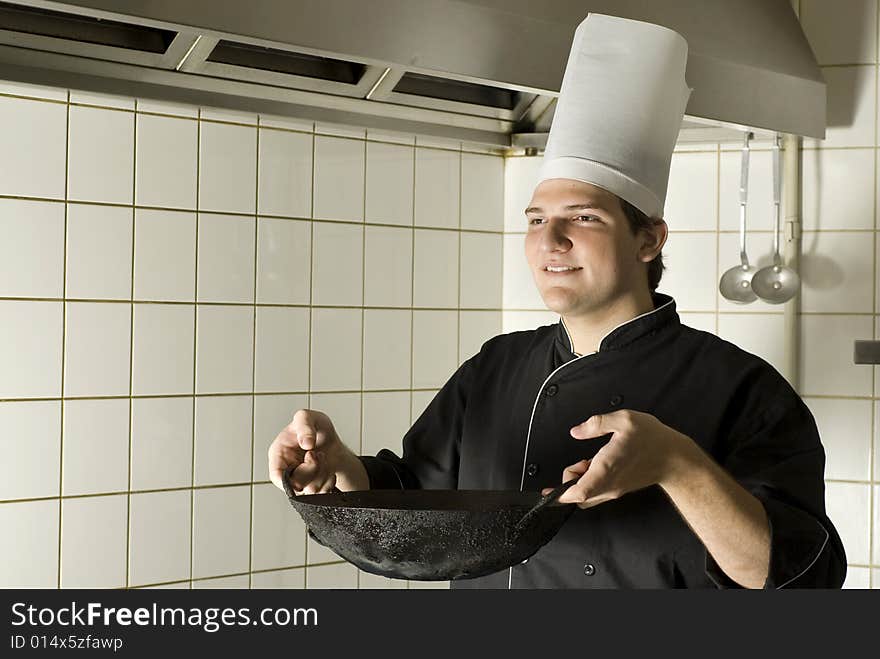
(303, 426)
(593, 482)
(306, 475)
(603, 424)
(283, 452)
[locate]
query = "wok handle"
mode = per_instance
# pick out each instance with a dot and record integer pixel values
(544, 502)
(285, 481)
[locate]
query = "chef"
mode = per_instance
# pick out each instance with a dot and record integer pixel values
(697, 464)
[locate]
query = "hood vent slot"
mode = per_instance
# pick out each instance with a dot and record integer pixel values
(283, 61)
(418, 84)
(59, 25)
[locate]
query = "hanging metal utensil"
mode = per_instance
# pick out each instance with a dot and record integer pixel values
(736, 283)
(776, 283)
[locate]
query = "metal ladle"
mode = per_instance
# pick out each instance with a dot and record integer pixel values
(776, 283)
(736, 283)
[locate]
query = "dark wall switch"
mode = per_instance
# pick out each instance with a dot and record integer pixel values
(867, 352)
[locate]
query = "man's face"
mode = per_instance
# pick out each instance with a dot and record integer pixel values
(575, 224)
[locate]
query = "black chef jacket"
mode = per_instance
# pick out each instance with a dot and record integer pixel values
(502, 422)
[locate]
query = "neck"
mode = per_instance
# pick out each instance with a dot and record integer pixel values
(588, 328)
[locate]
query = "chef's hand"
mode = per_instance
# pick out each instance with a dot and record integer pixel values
(310, 443)
(642, 452)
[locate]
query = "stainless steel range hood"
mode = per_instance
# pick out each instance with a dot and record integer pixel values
(481, 71)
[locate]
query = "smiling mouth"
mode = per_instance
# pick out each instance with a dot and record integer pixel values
(559, 270)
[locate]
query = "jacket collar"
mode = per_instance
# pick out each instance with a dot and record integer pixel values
(663, 314)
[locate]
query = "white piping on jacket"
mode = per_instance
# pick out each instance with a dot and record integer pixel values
(541, 389)
(821, 549)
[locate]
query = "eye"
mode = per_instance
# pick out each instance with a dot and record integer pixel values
(587, 218)
(534, 220)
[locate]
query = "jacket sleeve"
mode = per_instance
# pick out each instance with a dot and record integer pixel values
(780, 460)
(431, 447)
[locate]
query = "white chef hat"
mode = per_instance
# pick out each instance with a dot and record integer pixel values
(619, 110)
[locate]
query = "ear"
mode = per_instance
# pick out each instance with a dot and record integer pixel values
(652, 239)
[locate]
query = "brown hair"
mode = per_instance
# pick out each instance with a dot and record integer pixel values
(638, 221)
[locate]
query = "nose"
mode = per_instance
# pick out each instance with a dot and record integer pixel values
(555, 238)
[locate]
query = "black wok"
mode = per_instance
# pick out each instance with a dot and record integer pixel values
(432, 535)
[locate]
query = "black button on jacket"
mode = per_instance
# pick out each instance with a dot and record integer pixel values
(496, 416)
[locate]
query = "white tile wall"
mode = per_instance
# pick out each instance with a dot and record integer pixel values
(336, 349)
(837, 272)
(693, 192)
(166, 163)
(225, 258)
(221, 519)
(164, 255)
(279, 536)
(93, 542)
(101, 157)
(222, 439)
(691, 263)
(30, 437)
(294, 578)
(224, 349)
(339, 178)
(338, 265)
(30, 343)
(827, 355)
(389, 188)
(285, 173)
(482, 192)
(437, 188)
(159, 537)
(387, 348)
(161, 442)
(257, 182)
(96, 363)
(282, 349)
(838, 187)
(32, 249)
(96, 446)
(848, 508)
(388, 266)
(99, 252)
(227, 168)
(436, 257)
(481, 270)
(336, 576)
(435, 357)
(386, 420)
(29, 544)
(284, 261)
(162, 349)
(760, 334)
(845, 429)
(33, 157)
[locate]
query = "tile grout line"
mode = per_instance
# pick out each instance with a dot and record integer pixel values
(254, 363)
(131, 355)
(412, 286)
(311, 317)
(873, 429)
(192, 516)
(363, 311)
(63, 337)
